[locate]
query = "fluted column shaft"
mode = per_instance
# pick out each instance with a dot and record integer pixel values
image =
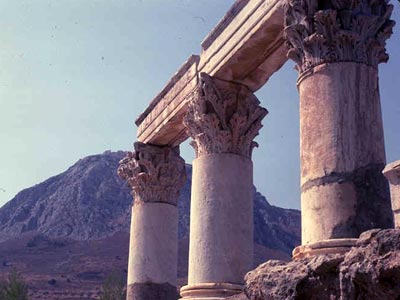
(337, 46)
(223, 119)
(156, 175)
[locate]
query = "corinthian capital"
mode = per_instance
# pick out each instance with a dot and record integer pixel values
(156, 174)
(223, 117)
(324, 31)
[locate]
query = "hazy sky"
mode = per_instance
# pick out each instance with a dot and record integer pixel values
(74, 75)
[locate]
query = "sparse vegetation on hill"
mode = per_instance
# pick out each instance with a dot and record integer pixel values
(113, 287)
(14, 288)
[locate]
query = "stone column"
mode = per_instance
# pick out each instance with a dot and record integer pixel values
(392, 173)
(156, 175)
(223, 118)
(337, 46)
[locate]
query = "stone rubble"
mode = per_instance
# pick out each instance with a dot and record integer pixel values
(370, 270)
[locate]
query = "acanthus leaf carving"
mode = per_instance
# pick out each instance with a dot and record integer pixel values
(223, 117)
(155, 174)
(325, 31)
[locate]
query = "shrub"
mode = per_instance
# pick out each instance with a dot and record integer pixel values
(113, 288)
(14, 288)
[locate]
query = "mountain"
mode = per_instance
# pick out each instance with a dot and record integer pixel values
(89, 201)
(74, 228)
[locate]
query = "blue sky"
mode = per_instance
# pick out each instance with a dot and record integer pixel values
(74, 75)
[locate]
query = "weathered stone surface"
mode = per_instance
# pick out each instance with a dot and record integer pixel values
(342, 155)
(312, 279)
(152, 291)
(221, 224)
(320, 32)
(218, 30)
(161, 123)
(347, 207)
(240, 296)
(247, 45)
(337, 46)
(156, 174)
(153, 249)
(392, 173)
(223, 117)
(338, 104)
(210, 291)
(330, 246)
(370, 270)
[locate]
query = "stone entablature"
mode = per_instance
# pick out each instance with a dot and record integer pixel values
(155, 174)
(337, 31)
(223, 117)
(223, 23)
(161, 122)
(246, 47)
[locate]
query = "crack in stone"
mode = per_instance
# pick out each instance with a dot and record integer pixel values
(372, 204)
(341, 177)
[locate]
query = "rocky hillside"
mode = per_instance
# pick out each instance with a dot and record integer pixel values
(90, 202)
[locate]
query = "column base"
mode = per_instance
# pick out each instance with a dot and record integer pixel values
(210, 291)
(332, 246)
(151, 291)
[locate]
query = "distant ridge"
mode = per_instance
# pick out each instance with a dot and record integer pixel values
(89, 202)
